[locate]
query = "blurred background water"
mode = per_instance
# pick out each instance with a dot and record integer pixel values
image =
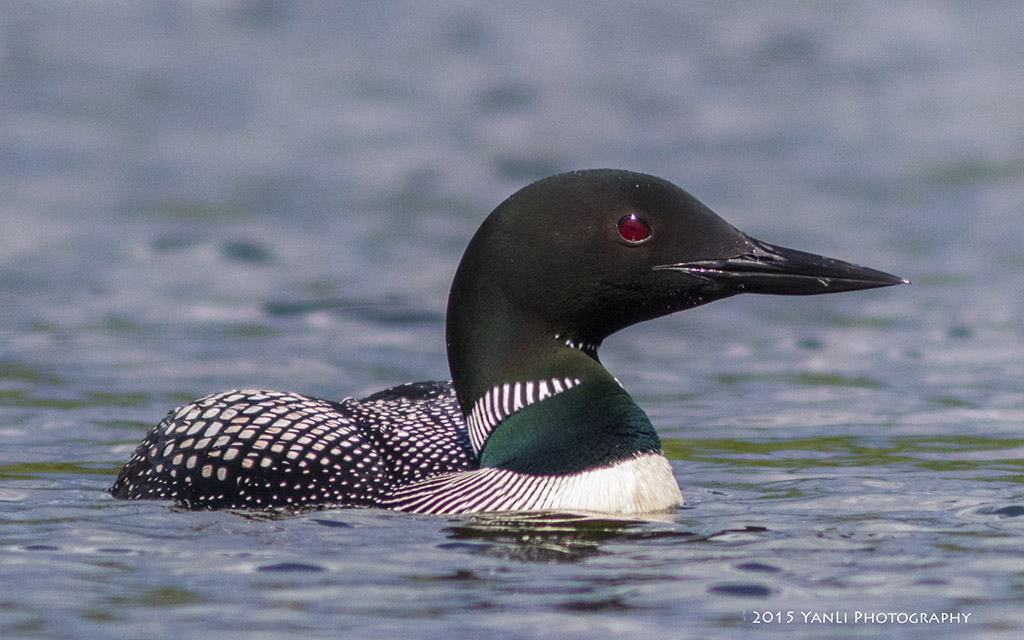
(196, 196)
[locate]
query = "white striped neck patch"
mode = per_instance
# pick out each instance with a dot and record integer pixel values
(505, 399)
(586, 347)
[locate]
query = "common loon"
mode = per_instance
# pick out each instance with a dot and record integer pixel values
(531, 420)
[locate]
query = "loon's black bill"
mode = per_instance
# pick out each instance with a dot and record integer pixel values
(777, 270)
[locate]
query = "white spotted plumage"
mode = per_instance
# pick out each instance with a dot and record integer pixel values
(407, 449)
(281, 449)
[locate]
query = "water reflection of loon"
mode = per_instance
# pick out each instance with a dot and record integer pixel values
(531, 419)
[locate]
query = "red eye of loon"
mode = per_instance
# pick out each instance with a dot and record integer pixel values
(634, 230)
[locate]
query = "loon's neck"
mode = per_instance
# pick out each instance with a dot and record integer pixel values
(551, 409)
(494, 353)
(591, 423)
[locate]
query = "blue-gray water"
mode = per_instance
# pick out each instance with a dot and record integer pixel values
(208, 195)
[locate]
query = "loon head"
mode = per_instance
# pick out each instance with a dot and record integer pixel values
(570, 259)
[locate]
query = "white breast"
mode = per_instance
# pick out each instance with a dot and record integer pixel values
(642, 484)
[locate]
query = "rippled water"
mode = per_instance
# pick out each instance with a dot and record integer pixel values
(203, 196)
